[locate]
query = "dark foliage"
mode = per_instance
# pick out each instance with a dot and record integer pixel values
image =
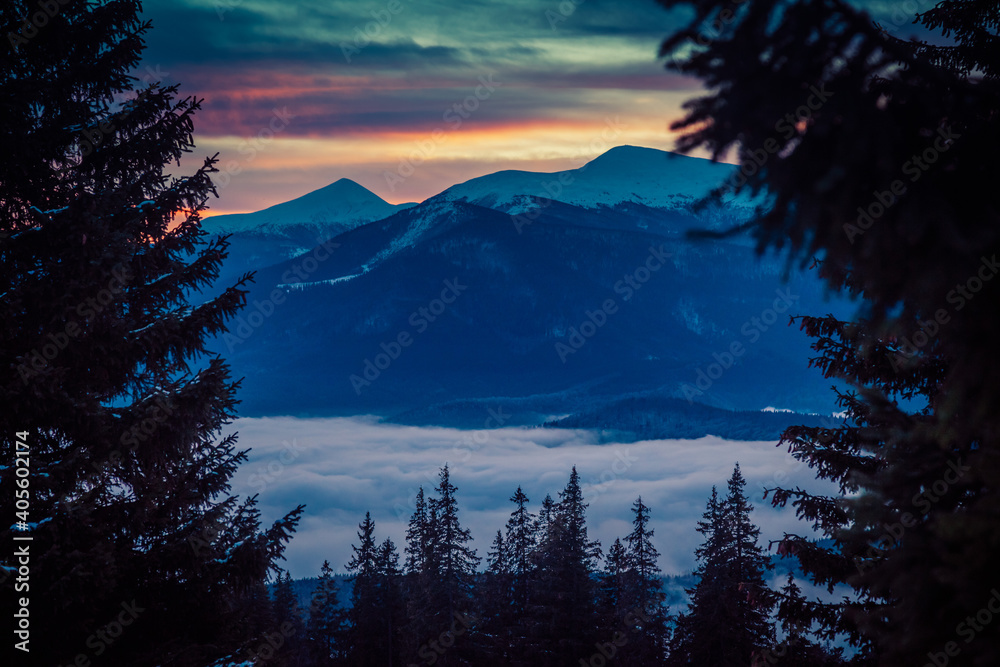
(106, 372)
(877, 156)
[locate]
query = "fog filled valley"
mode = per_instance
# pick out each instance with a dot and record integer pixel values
(350, 466)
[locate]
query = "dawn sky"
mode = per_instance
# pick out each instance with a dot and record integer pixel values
(408, 97)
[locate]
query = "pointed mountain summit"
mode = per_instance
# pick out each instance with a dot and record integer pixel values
(336, 208)
(624, 174)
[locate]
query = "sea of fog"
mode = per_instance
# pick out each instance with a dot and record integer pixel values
(341, 468)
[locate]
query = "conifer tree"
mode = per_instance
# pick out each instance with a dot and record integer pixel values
(454, 565)
(877, 155)
(646, 640)
(496, 601)
(727, 620)
(694, 640)
(326, 621)
(521, 537)
(498, 557)
(615, 586)
(441, 571)
(108, 376)
(746, 567)
(546, 515)
(643, 556)
(885, 522)
(289, 623)
(391, 601)
(797, 648)
(827, 125)
(364, 560)
(285, 602)
(261, 618)
(365, 636)
(420, 571)
(417, 536)
(563, 609)
(522, 530)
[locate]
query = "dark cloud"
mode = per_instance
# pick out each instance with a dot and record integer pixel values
(243, 101)
(246, 56)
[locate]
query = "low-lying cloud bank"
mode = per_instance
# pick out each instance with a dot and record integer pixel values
(340, 468)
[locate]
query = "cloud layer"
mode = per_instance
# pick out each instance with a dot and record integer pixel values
(341, 468)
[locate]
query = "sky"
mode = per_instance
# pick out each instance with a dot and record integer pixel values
(299, 94)
(343, 467)
(408, 97)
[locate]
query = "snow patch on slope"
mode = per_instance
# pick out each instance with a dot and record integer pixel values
(317, 283)
(432, 214)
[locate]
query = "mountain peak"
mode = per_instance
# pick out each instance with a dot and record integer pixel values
(639, 157)
(628, 150)
(340, 192)
(342, 205)
(346, 185)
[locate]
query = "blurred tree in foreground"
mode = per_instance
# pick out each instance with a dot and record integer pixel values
(877, 157)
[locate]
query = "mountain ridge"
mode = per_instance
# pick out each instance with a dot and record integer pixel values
(343, 329)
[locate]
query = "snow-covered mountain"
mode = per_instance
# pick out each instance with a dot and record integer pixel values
(652, 190)
(334, 209)
(624, 175)
(499, 291)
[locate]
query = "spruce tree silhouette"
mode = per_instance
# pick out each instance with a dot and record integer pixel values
(106, 371)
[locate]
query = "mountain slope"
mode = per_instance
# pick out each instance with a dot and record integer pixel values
(592, 296)
(473, 308)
